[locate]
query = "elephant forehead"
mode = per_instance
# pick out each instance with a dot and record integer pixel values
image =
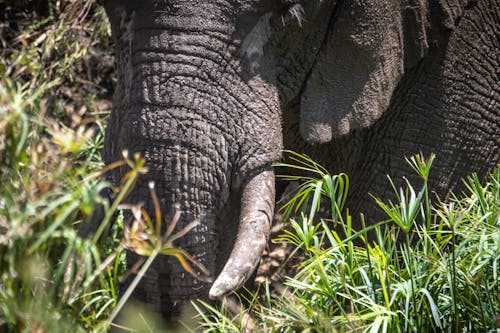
(158, 42)
(367, 23)
(222, 16)
(190, 14)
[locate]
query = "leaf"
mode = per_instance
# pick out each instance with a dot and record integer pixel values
(434, 309)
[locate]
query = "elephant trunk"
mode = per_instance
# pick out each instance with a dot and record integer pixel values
(257, 206)
(189, 101)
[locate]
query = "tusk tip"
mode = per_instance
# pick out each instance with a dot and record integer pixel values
(215, 294)
(223, 285)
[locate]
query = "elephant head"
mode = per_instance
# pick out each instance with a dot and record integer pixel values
(201, 91)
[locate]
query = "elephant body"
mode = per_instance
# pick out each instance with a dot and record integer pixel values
(210, 92)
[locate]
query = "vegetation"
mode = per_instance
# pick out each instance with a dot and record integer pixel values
(56, 82)
(52, 115)
(442, 274)
(49, 150)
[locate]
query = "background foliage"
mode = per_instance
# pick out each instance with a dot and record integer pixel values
(56, 70)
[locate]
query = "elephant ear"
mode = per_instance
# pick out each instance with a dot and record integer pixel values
(364, 56)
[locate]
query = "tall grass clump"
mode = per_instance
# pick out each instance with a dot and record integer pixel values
(49, 160)
(52, 279)
(430, 266)
(49, 186)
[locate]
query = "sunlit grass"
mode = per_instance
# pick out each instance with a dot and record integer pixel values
(432, 266)
(51, 279)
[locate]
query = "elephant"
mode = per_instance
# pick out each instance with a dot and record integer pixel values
(211, 92)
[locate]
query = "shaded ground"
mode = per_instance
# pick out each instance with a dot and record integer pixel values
(67, 43)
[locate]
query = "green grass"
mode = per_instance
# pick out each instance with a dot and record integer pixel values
(49, 186)
(50, 142)
(441, 276)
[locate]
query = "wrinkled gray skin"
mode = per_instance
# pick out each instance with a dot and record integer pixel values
(209, 92)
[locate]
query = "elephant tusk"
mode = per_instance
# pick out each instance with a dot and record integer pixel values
(257, 207)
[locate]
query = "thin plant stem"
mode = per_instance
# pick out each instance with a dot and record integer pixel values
(109, 213)
(453, 281)
(410, 270)
(131, 288)
(103, 266)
